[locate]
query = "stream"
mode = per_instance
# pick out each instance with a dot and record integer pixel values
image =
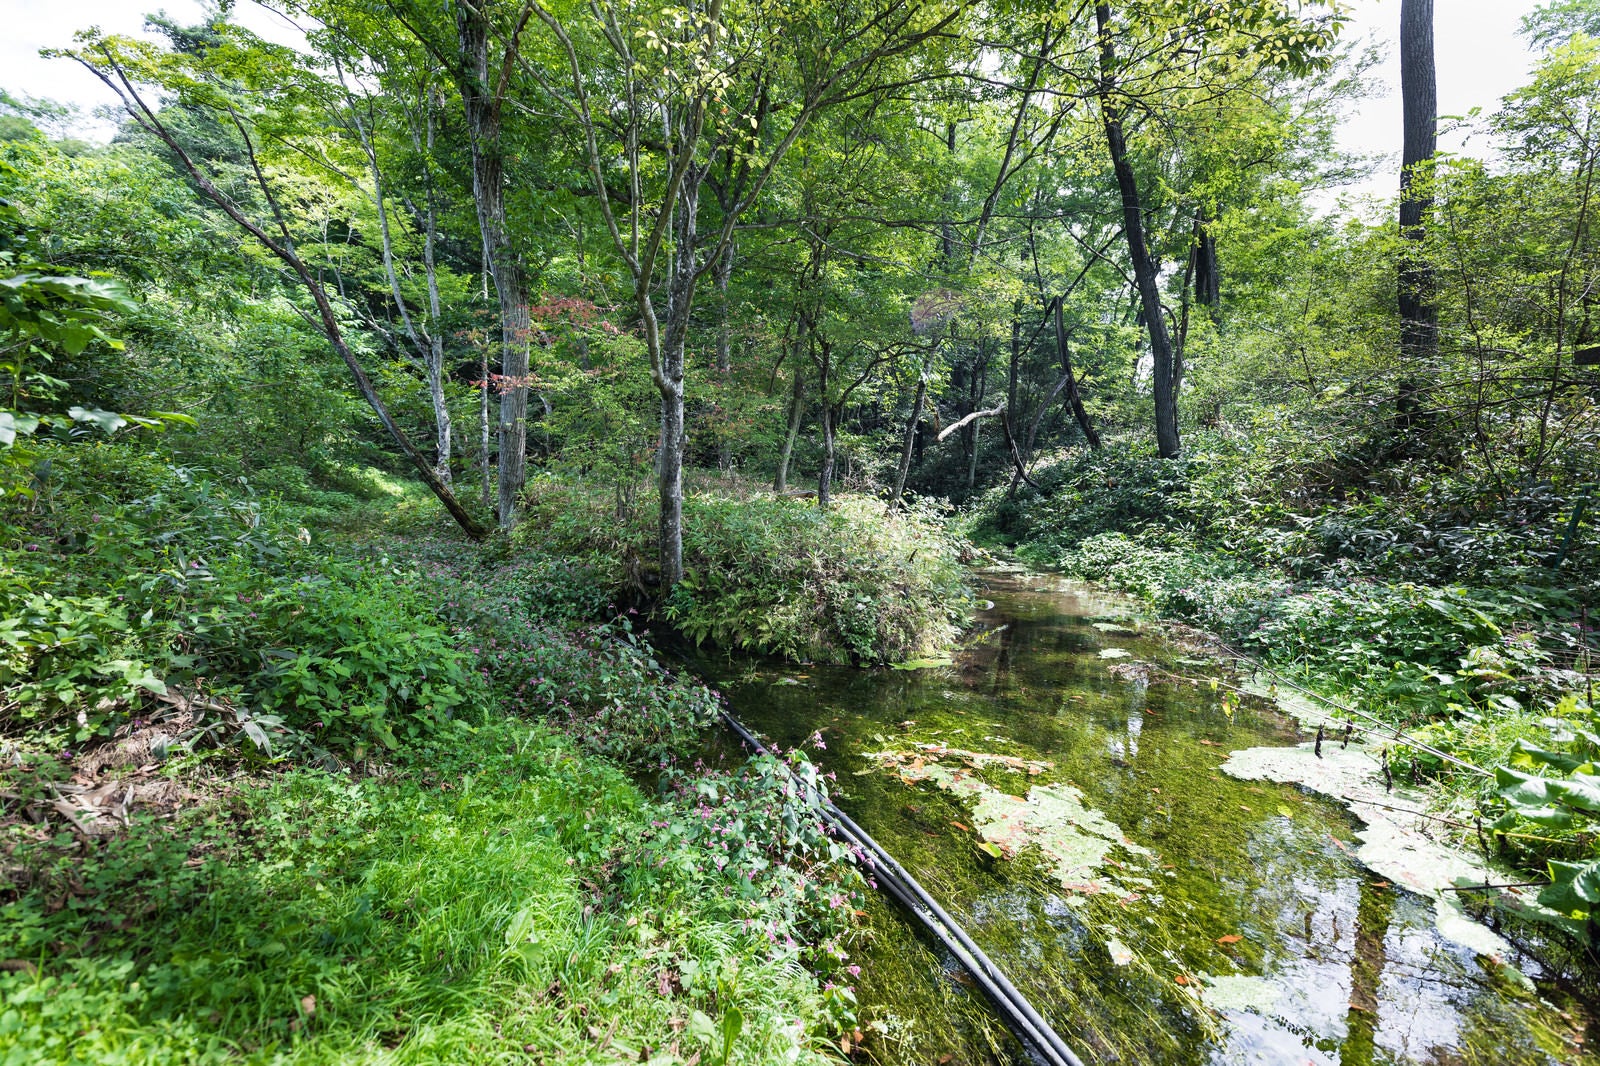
(1059, 788)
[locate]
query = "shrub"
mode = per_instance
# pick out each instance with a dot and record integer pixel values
(777, 575)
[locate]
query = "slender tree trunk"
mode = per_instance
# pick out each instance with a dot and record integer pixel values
(674, 437)
(1419, 329)
(972, 460)
(442, 429)
(797, 408)
(1144, 265)
(1016, 357)
(723, 275)
(909, 443)
(825, 474)
(1074, 397)
(483, 425)
(488, 192)
(1207, 273)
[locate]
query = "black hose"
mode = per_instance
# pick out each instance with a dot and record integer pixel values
(1041, 1041)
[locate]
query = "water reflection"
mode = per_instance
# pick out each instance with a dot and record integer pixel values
(1248, 935)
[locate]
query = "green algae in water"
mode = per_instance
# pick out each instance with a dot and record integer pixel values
(1247, 932)
(1072, 839)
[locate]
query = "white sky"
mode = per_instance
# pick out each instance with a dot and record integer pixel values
(1479, 57)
(29, 25)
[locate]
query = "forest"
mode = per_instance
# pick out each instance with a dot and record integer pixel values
(425, 439)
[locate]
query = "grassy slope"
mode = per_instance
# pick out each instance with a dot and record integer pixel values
(483, 902)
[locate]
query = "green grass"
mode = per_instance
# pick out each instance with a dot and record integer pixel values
(486, 900)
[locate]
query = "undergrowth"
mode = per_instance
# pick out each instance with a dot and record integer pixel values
(493, 896)
(772, 574)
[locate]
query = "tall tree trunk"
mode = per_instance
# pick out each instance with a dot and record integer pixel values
(482, 105)
(972, 460)
(724, 274)
(797, 408)
(825, 474)
(908, 445)
(1207, 272)
(1419, 330)
(483, 424)
(442, 429)
(674, 436)
(1144, 265)
(428, 347)
(976, 391)
(1074, 397)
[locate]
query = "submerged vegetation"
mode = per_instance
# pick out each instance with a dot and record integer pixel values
(390, 403)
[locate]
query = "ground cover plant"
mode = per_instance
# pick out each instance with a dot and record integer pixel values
(387, 772)
(491, 895)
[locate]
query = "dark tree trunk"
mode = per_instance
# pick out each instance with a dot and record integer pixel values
(482, 105)
(1207, 273)
(1419, 329)
(1145, 273)
(1074, 397)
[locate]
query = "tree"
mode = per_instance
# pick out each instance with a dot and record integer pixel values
(1419, 324)
(691, 75)
(484, 80)
(205, 79)
(1185, 55)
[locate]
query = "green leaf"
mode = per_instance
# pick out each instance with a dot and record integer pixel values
(13, 425)
(1574, 888)
(108, 421)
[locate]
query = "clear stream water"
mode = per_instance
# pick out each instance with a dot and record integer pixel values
(1177, 915)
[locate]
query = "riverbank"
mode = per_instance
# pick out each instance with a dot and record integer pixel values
(1432, 613)
(287, 796)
